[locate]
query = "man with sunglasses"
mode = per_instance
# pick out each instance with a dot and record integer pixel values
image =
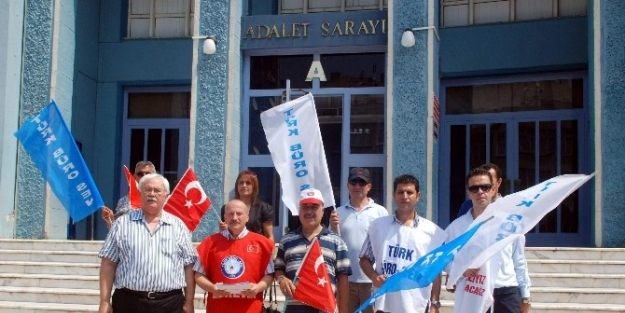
(512, 282)
(123, 205)
(352, 221)
(495, 172)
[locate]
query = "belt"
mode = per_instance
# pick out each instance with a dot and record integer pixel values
(152, 295)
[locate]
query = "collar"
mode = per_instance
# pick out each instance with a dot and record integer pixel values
(349, 204)
(137, 215)
(415, 222)
(226, 233)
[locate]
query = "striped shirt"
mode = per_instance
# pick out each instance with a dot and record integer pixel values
(294, 245)
(198, 267)
(146, 261)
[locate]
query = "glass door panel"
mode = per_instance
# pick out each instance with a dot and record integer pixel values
(528, 152)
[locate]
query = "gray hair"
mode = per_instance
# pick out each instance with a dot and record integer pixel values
(149, 177)
(142, 164)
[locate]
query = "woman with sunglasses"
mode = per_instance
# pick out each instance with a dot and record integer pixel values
(261, 213)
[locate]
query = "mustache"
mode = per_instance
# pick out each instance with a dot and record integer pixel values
(151, 198)
(309, 215)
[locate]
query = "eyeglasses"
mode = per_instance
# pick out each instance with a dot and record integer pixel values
(477, 188)
(141, 174)
(358, 182)
(152, 190)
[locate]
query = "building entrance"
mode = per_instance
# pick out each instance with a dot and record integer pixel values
(529, 140)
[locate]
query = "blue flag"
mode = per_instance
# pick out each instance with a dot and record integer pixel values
(52, 148)
(424, 271)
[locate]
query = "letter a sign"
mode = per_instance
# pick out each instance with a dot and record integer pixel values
(316, 71)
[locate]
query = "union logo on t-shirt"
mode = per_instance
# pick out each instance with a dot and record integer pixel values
(232, 267)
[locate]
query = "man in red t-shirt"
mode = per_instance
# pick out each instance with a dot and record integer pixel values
(235, 265)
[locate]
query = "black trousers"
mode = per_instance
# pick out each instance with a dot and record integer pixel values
(128, 302)
(506, 300)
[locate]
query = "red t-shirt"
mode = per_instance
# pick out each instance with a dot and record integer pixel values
(235, 261)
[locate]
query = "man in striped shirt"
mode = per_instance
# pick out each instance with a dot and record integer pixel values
(148, 257)
(294, 245)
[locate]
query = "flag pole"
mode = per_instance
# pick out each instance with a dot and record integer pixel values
(286, 298)
(216, 214)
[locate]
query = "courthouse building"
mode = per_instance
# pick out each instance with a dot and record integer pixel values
(428, 87)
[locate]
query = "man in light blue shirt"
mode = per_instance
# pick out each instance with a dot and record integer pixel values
(512, 282)
(148, 257)
(352, 221)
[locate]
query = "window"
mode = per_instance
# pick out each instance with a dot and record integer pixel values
(160, 18)
(515, 97)
(312, 6)
(470, 12)
(156, 128)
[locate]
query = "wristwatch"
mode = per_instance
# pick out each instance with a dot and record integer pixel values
(526, 301)
(436, 303)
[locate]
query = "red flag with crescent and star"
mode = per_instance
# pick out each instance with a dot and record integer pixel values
(188, 201)
(314, 287)
(133, 191)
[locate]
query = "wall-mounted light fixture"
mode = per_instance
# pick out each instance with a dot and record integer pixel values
(407, 38)
(210, 44)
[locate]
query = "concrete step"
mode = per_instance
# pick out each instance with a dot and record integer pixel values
(50, 256)
(575, 280)
(563, 253)
(57, 268)
(578, 295)
(49, 281)
(53, 307)
(51, 245)
(62, 295)
(576, 266)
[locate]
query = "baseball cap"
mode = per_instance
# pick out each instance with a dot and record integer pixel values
(311, 196)
(359, 173)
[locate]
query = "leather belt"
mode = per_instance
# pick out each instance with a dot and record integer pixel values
(152, 295)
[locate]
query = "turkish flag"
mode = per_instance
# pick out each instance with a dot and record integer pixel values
(314, 287)
(188, 201)
(133, 193)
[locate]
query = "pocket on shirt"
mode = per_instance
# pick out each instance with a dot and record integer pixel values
(168, 246)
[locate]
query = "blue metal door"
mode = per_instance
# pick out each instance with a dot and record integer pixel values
(529, 146)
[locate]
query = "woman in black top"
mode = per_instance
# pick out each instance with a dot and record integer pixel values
(261, 213)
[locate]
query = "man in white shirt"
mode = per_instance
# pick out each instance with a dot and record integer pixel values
(512, 282)
(396, 241)
(352, 221)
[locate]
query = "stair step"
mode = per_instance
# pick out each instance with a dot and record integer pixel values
(577, 280)
(49, 281)
(62, 295)
(576, 266)
(54, 245)
(582, 295)
(563, 253)
(51, 256)
(53, 307)
(58, 268)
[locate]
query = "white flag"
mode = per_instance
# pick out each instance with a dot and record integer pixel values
(294, 140)
(475, 294)
(513, 216)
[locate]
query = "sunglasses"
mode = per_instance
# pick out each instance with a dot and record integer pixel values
(359, 182)
(477, 188)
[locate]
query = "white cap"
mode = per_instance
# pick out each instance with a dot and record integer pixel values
(311, 196)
